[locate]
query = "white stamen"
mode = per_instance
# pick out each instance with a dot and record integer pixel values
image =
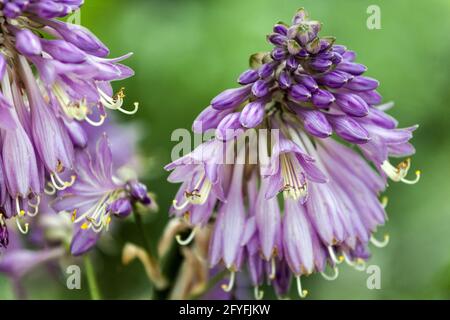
(259, 294)
(130, 112)
(380, 244)
(333, 256)
(348, 260)
(294, 187)
(180, 207)
(92, 211)
(302, 293)
(188, 240)
(19, 226)
(51, 191)
(99, 219)
(334, 276)
(228, 287)
(59, 184)
(109, 102)
(35, 207)
(273, 269)
(359, 264)
(20, 212)
(400, 172)
(117, 102)
(97, 123)
(198, 196)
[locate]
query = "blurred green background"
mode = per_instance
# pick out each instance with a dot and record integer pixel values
(187, 51)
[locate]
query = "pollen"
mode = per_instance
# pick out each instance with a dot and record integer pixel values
(120, 94)
(74, 215)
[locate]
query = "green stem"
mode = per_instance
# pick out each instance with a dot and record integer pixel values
(140, 225)
(145, 241)
(92, 281)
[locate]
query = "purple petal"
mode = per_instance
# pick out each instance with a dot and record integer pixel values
(299, 93)
(352, 104)
(228, 127)
(362, 84)
(253, 114)
(231, 98)
(83, 241)
(267, 215)
(323, 98)
(248, 76)
(352, 68)
(27, 43)
(63, 51)
(349, 129)
(80, 37)
(209, 118)
(315, 122)
(260, 88)
(297, 241)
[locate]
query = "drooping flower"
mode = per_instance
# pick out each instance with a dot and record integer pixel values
(97, 196)
(55, 80)
(315, 202)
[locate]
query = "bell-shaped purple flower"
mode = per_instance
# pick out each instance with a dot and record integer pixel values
(309, 202)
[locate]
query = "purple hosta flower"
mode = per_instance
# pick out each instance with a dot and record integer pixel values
(307, 90)
(97, 196)
(55, 78)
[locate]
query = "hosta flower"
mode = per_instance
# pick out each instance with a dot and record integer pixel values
(55, 79)
(97, 196)
(315, 203)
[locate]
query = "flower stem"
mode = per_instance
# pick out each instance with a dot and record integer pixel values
(140, 225)
(145, 242)
(92, 280)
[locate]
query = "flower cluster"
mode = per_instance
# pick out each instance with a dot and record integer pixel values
(315, 203)
(51, 233)
(55, 84)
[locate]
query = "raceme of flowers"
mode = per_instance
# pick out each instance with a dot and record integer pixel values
(316, 204)
(55, 84)
(308, 206)
(51, 233)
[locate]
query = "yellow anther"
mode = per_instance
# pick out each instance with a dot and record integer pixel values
(84, 226)
(404, 164)
(302, 293)
(72, 181)
(74, 215)
(120, 94)
(384, 201)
